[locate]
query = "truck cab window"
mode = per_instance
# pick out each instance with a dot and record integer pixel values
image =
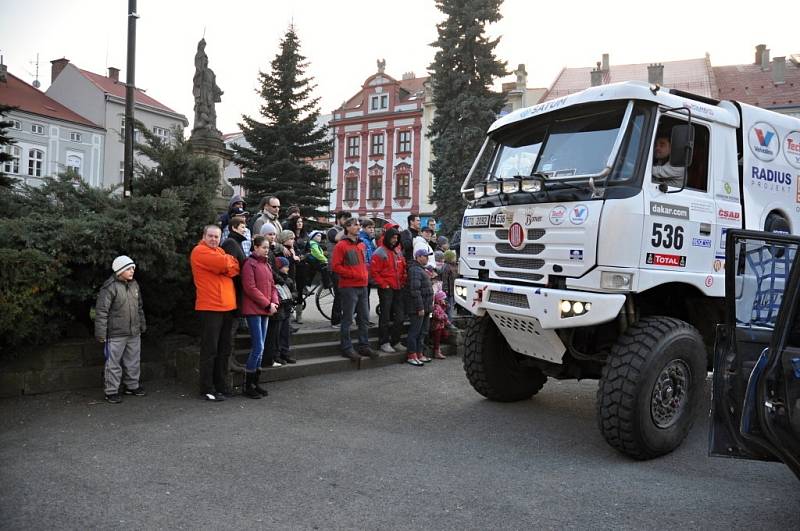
(663, 171)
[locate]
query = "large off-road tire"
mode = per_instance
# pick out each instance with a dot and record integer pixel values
(493, 369)
(651, 387)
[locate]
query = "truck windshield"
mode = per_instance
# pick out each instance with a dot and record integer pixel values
(555, 146)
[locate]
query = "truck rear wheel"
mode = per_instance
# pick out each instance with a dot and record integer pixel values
(651, 387)
(493, 369)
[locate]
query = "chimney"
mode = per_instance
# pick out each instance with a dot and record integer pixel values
(779, 70)
(522, 77)
(113, 73)
(408, 75)
(655, 74)
(759, 50)
(56, 66)
(765, 59)
(606, 64)
(597, 76)
(3, 71)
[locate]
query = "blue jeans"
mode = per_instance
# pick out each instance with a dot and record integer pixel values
(258, 325)
(354, 301)
(417, 329)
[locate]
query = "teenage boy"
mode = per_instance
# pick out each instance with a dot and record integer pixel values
(349, 264)
(388, 273)
(335, 234)
(118, 324)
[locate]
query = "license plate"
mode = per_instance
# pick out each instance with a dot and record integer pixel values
(499, 219)
(476, 221)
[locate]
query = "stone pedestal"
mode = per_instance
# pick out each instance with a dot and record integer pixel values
(212, 147)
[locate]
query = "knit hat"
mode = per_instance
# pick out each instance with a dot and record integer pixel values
(268, 228)
(442, 240)
(281, 262)
(314, 234)
(438, 256)
(285, 235)
(440, 296)
(121, 263)
(422, 252)
(450, 256)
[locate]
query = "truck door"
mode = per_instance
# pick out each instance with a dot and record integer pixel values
(680, 226)
(756, 393)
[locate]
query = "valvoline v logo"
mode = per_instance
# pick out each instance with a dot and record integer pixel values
(764, 141)
(578, 214)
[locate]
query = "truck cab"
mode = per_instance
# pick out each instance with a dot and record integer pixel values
(596, 231)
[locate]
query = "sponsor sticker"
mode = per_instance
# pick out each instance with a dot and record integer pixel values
(730, 215)
(791, 148)
(579, 214)
(667, 260)
(559, 214)
(701, 242)
(576, 254)
(531, 218)
(707, 208)
(670, 211)
(477, 236)
(498, 219)
(471, 251)
(770, 180)
(719, 264)
(764, 141)
(709, 281)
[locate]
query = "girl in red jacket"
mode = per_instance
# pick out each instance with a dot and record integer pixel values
(259, 301)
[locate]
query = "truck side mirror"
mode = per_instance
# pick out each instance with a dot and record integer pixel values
(682, 149)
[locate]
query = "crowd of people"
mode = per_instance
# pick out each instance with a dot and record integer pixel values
(252, 271)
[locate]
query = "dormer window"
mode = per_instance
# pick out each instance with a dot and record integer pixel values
(379, 102)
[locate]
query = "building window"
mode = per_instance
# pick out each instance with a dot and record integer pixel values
(402, 189)
(75, 137)
(35, 160)
(376, 186)
(379, 102)
(16, 124)
(12, 166)
(351, 189)
(161, 133)
(352, 146)
(136, 133)
(37, 129)
(74, 164)
(377, 144)
(404, 142)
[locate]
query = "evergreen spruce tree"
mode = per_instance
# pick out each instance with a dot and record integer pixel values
(5, 140)
(276, 163)
(463, 72)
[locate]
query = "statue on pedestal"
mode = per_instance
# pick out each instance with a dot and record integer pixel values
(206, 94)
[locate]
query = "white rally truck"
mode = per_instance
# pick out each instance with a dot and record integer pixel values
(581, 257)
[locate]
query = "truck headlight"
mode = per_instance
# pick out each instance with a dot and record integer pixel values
(510, 186)
(461, 292)
(531, 185)
(614, 280)
(492, 188)
(574, 308)
(479, 190)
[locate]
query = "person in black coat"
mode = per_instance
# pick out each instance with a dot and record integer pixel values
(419, 305)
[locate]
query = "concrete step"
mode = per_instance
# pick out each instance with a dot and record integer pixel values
(305, 336)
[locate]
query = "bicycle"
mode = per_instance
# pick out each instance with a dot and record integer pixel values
(322, 296)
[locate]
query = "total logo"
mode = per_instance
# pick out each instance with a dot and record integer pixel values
(558, 215)
(578, 214)
(666, 260)
(731, 215)
(764, 141)
(791, 149)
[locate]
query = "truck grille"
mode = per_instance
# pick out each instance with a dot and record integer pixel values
(533, 234)
(531, 248)
(514, 275)
(516, 300)
(519, 263)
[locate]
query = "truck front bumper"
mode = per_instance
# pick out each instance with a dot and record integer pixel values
(543, 304)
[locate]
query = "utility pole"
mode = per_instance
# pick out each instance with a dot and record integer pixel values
(130, 85)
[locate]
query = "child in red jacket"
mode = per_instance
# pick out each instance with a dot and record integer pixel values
(439, 324)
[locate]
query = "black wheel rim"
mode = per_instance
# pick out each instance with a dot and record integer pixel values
(670, 394)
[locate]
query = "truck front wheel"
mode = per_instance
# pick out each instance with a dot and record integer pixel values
(493, 369)
(651, 387)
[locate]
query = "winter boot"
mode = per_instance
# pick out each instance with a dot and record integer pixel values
(257, 378)
(250, 386)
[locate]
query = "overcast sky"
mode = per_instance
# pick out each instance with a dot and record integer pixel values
(343, 39)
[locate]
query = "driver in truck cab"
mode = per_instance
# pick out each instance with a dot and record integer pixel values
(662, 169)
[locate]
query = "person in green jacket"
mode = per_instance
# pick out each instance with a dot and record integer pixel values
(316, 257)
(119, 324)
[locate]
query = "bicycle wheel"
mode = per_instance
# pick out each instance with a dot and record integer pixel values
(324, 298)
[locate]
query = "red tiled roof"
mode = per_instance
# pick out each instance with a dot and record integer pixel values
(691, 75)
(410, 86)
(750, 84)
(117, 89)
(413, 85)
(19, 94)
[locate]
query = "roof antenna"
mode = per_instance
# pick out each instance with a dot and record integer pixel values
(204, 32)
(36, 83)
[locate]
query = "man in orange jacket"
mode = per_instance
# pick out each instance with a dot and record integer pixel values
(213, 271)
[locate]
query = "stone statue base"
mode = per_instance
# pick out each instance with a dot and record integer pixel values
(213, 148)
